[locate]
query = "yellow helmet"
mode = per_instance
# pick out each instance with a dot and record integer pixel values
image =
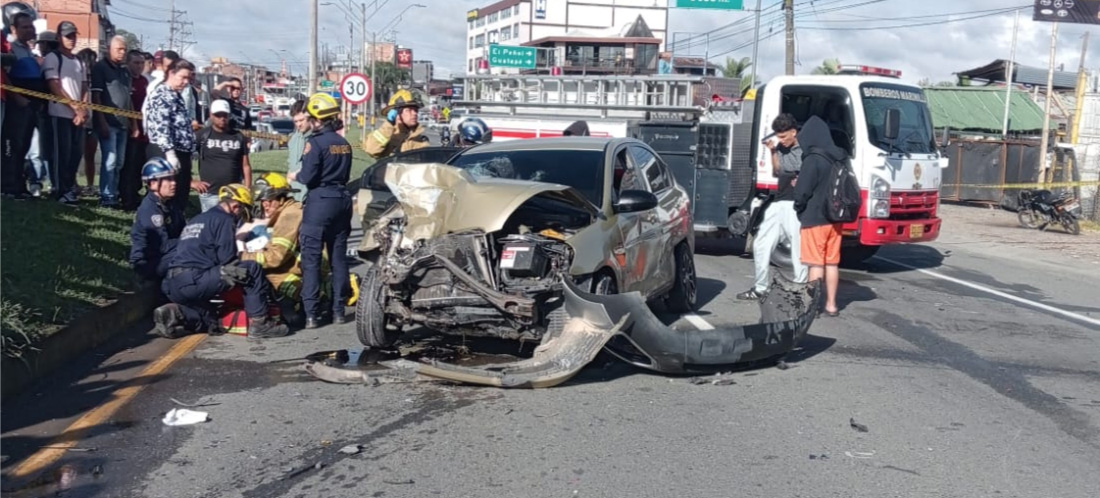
(235, 192)
(402, 99)
(322, 106)
(271, 186)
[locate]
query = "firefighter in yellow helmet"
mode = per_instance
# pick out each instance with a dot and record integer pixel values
(205, 265)
(402, 130)
(326, 218)
(274, 203)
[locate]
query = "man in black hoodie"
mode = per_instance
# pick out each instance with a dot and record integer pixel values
(820, 237)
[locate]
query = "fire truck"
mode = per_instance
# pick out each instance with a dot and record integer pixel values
(712, 141)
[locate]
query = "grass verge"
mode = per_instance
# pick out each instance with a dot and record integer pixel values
(58, 262)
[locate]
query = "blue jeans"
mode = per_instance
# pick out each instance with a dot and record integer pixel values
(112, 151)
(39, 170)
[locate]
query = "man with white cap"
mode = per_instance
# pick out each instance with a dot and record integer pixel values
(222, 154)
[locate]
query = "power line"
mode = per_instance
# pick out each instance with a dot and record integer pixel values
(915, 25)
(948, 14)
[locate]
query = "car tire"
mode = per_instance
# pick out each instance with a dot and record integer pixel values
(370, 315)
(604, 284)
(682, 297)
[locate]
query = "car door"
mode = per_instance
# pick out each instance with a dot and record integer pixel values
(657, 224)
(631, 255)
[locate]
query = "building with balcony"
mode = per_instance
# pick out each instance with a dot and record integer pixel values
(520, 22)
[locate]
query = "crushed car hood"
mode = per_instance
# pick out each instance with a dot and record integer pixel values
(438, 199)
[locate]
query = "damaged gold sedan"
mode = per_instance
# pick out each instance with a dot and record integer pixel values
(560, 241)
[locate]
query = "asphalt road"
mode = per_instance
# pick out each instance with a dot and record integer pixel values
(963, 391)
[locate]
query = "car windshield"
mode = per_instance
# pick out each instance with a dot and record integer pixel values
(284, 126)
(915, 134)
(580, 169)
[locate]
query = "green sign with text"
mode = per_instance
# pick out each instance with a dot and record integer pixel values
(711, 4)
(327, 83)
(505, 56)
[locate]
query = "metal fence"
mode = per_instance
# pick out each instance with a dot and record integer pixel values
(979, 169)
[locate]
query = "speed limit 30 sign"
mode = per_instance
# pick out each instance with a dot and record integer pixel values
(355, 88)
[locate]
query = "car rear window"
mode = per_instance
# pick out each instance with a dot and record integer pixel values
(580, 169)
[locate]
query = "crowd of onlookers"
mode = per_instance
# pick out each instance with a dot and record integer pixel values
(46, 142)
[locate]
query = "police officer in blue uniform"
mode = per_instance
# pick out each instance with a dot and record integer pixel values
(158, 224)
(326, 221)
(206, 264)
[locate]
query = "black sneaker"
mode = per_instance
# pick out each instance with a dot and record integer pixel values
(339, 318)
(750, 295)
(169, 321)
(266, 328)
(312, 322)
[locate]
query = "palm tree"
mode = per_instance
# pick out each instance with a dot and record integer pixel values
(736, 69)
(387, 79)
(828, 66)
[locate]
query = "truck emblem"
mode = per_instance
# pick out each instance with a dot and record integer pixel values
(916, 172)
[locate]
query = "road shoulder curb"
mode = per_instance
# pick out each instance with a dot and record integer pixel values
(83, 334)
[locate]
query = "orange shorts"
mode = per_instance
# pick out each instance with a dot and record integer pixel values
(821, 245)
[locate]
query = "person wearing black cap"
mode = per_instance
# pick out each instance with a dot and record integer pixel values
(65, 77)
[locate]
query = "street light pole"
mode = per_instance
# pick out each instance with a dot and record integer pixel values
(363, 64)
(312, 48)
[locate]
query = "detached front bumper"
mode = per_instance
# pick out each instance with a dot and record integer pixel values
(623, 325)
(877, 232)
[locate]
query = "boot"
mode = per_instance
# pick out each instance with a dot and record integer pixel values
(168, 320)
(289, 309)
(266, 328)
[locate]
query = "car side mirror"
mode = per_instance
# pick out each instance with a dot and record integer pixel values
(634, 201)
(892, 124)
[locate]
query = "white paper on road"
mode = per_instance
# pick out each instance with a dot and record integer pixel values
(183, 416)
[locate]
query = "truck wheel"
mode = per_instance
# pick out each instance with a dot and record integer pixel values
(781, 256)
(856, 255)
(681, 299)
(370, 316)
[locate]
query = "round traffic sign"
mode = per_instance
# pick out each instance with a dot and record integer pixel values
(355, 88)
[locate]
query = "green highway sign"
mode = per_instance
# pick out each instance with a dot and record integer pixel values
(327, 84)
(507, 56)
(711, 4)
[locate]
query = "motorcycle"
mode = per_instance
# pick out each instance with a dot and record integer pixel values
(1041, 208)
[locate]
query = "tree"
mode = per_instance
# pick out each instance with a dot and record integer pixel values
(132, 40)
(387, 78)
(828, 66)
(736, 69)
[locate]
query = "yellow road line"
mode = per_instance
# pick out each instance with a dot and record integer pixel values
(102, 413)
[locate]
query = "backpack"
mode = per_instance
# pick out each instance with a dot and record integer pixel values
(843, 198)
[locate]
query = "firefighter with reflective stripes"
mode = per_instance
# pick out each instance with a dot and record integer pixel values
(272, 194)
(402, 130)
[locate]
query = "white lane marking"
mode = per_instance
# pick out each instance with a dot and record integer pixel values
(1028, 302)
(698, 321)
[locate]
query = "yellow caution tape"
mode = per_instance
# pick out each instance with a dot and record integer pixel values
(1039, 185)
(120, 112)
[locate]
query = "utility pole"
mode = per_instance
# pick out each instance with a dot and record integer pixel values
(363, 65)
(1045, 140)
(312, 48)
(373, 80)
(1082, 82)
(1009, 71)
(755, 45)
(172, 27)
(788, 6)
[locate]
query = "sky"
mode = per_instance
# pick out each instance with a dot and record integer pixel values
(267, 31)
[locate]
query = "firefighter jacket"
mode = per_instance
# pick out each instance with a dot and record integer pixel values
(391, 139)
(279, 257)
